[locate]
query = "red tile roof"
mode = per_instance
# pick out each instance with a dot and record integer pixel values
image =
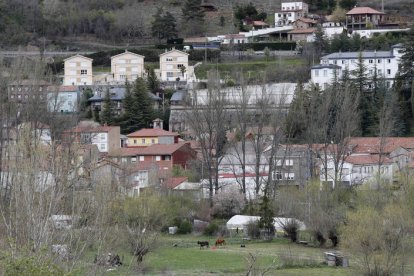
(367, 159)
(152, 132)
(302, 31)
(363, 10)
(259, 23)
(372, 145)
(307, 20)
(157, 149)
(173, 182)
(89, 129)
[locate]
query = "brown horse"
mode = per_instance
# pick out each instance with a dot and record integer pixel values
(220, 242)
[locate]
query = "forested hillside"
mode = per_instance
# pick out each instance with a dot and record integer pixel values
(40, 22)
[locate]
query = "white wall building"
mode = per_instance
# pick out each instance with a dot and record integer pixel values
(77, 71)
(172, 64)
(384, 62)
(127, 66)
(332, 28)
(290, 12)
(357, 170)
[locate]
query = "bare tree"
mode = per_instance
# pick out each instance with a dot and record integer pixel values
(208, 120)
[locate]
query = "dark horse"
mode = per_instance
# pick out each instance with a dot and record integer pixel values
(220, 242)
(203, 243)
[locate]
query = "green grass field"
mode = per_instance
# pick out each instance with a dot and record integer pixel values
(186, 258)
(250, 68)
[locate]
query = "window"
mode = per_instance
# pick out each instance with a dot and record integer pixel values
(141, 158)
(289, 176)
(325, 73)
(388, 84)
(134, 61)
(289, 162)
(123, 160)
(316, 73)
(371, 61)
(389, 60)
(102, 146)
(84, 72)
(11, 96)
(335, 62)
(379, 61)
(152, 141)
(379, 71)
(167, 157)
(388, 71)
(278, 162)
(168, 59)
(170, 74)
(143, 141)
(135, 141)
(72, 64)
(84, 64)
(169, 67)
(158, 158)
(279, 15)
(343, 61)
(122, 77)
(180, 65)
(277, 176)
(370, 71)
(122, 61)
(133, 159)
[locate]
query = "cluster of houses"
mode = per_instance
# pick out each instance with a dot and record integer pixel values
(78, 76)
(293, 22)
(145, 159)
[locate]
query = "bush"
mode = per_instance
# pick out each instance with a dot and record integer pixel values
(291, 228)
(185, 227)
(253, 230)
(211, 229)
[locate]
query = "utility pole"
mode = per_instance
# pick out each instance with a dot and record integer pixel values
(382, 5)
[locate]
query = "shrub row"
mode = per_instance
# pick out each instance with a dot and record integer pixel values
(260, 46)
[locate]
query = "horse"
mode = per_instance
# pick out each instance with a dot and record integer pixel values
(203, 243)
(220, 242)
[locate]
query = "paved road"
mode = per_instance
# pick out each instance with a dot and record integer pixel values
(12, 54)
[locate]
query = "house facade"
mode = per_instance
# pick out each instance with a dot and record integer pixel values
(25, 91)
(307, 35)
(363, 18)
(151, 136)
(161, 156)
(127, 66)
(106, 138)
(382, 63)
(173, 66)
(63, 99)
(77, 71)
(290, 12)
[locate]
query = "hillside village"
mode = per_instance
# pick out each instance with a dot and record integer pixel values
(299, 122)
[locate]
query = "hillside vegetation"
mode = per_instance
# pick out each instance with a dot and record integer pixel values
(121, 22)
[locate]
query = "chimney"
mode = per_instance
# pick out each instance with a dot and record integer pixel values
(158, 123)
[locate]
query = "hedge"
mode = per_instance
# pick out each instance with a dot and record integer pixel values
(260, 46)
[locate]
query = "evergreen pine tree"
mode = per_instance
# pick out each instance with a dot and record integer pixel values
(152, 80)
(360, 82)
(407, 59)
(138, 107)
(107, 112)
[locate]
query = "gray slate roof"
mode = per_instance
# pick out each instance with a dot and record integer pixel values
(117, 94)
(355, 55)
(329, 66)
(178, 96)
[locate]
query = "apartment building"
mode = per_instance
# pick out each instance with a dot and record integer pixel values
(173, 66)
(78, 71)
(127, 66)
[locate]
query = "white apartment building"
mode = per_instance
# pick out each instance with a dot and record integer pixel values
(290, 12)
(127, 66)
(77, 71)
(384, 62)
(357, 170)
(173, 66)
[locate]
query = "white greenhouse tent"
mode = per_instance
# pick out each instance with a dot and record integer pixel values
(241, 222)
